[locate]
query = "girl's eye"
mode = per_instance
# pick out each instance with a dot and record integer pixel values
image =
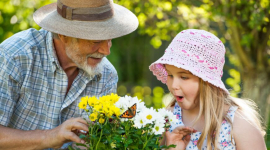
(171, 76)
(184, 78)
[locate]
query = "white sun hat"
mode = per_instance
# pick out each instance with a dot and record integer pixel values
(198, 51)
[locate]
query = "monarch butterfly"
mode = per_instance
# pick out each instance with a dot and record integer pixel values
(130, 113)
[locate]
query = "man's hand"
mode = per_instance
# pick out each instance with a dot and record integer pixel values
(42, 139)
(66, 132)
(180, 137)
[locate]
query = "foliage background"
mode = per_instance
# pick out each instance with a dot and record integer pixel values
(242, 25)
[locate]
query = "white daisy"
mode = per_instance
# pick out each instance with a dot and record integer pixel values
(163, 112)
(158, 129)
(140, 121)
(149, 114)
(122, 103)
(159, 119)
(172, 118)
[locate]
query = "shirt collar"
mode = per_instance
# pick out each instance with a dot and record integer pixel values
(97, 77)
(51, 50)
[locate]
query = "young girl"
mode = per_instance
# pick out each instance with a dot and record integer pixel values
(209, 118)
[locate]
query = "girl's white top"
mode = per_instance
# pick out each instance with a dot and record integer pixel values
(226, 141)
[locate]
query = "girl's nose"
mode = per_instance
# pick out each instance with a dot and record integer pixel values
(105, 47)
(175, 85)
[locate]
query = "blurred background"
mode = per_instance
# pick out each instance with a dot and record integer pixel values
(242, 25)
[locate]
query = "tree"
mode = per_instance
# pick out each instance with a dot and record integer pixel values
(247, 26)
(17, 15)
(244, 25)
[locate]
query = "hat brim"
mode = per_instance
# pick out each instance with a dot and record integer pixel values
(123, 22)
(160, 72)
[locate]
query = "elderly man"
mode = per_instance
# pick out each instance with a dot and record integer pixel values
(44, 73)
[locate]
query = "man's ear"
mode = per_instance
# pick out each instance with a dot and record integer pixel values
(63, 38)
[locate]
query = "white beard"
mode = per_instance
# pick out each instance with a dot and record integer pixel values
(72, 51)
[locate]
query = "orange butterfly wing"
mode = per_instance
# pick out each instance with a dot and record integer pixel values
(130, 113)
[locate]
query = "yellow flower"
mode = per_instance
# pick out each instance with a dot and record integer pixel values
(110, 98)
(101, 120)
(105, 99)
(82, 105)
(84, 99)
(92, 101)
(93, 116)
(114, 97)
(99, 108)
(107, 110)
(115, 110)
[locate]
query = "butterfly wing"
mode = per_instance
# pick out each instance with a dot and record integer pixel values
(126, 114)
(133, 109)
(130, 113)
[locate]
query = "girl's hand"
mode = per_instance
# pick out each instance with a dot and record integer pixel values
(180, 137)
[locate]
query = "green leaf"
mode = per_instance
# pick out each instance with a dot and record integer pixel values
(70, 148)
(102, 146)
(133, 147)
(82, 136)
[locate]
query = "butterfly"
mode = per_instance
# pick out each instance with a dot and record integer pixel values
(130, 113)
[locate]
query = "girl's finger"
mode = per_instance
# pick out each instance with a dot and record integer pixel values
(179, 128)
(187, 139)
(182, 129)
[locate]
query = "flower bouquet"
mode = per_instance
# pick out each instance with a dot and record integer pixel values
(123, 123)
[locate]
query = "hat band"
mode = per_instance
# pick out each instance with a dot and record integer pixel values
(85, 14)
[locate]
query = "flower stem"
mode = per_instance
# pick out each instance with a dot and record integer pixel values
(126, 131)
(91, 139)
(147, 141)
(99, 139)
(157, 142)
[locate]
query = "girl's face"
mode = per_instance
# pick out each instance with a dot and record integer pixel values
(184, 86)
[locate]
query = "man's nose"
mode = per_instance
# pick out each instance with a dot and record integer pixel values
(105, 47)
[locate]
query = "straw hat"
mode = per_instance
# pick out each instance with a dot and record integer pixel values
(86, 19)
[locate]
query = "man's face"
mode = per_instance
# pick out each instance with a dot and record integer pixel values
(87, 54)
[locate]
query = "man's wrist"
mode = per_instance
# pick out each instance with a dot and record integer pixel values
(44, 139)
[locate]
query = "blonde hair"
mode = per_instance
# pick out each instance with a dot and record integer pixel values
(212, 101)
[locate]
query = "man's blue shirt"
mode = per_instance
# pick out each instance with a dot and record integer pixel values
(33, 85)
